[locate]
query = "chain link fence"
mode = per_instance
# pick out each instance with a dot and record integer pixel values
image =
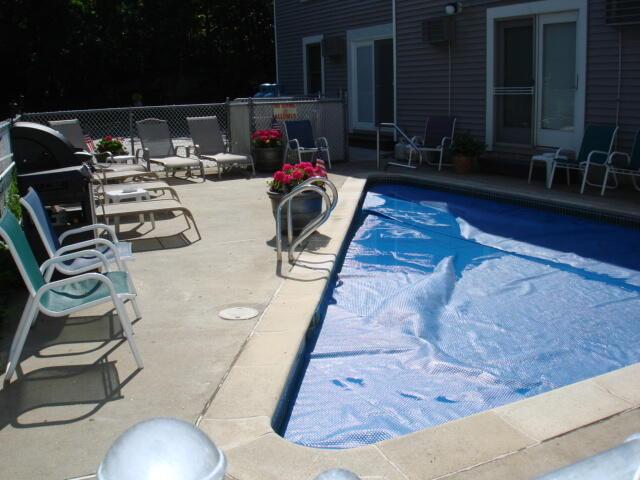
(121, 122)
(328, 117)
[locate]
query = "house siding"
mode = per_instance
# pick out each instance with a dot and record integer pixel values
(602, 74)
(296, 19)
(422, 69)
(422, 85)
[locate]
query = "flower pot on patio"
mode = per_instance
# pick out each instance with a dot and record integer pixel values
(109, 145)
(267, 159)
(463, 164)
(465, 150)
(304, 208)
(267, 150)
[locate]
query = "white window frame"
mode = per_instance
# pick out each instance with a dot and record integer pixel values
(310, 41)
(376, 32)
(534, 9)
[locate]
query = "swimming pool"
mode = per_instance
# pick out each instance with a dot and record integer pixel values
(446, 305)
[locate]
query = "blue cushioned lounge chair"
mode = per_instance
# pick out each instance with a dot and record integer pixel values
(300, 140)
(62, 297)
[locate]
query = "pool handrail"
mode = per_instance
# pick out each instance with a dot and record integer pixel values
(308, 185)
(410, 143)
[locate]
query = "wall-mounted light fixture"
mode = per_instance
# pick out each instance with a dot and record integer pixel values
(453, 8)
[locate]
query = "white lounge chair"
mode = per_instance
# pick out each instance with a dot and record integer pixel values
(157, 147)
(209, 145)
(72, 131)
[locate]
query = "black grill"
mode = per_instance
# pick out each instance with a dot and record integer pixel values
(47, 162)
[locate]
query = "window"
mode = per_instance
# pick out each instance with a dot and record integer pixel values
(313, 65)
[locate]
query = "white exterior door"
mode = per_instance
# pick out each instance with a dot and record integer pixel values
(558, 83)
(550, 37)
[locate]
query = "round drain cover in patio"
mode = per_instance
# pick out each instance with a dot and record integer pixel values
(238, 313)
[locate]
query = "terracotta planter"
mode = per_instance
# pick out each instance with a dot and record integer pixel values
(305, 207)
(463, 164)
(267, 159)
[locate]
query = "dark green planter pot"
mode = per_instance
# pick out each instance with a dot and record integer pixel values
(102, 157)
(305, 207)
(267, 159)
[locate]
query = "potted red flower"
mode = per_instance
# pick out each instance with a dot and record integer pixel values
(111, 145)
(267, 149)
(306, 206)
(108, 146)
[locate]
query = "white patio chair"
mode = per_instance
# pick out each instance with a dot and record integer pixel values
(62, 297)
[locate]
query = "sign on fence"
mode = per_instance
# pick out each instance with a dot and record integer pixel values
(285, 111)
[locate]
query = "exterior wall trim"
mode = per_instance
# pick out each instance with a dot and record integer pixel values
(307, 41)
(535, 8)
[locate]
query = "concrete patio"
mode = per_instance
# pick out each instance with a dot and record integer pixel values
(78, 388)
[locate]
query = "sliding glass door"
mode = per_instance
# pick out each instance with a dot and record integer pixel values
(371, 67)
(558, 83)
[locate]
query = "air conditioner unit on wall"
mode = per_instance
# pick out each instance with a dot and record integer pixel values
(335, 47)
(439, 29)
(622, 12)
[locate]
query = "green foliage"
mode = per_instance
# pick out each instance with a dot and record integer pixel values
(13, 199)
(9, 275)
(112, 145)
(66, 54)
(466, 144)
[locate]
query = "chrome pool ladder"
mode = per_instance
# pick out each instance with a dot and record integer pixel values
(409, 143)
(313, 225)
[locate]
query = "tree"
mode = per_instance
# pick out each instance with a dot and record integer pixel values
(66, 54)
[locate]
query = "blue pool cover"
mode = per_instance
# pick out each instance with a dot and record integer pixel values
(447, 305)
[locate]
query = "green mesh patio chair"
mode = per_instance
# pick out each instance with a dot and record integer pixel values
(621, 163)
(62, 297)
(114, 251)
(597, 144)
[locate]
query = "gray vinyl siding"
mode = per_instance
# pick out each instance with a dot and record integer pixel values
(296, 19)
(422, 69)
(602, 74)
